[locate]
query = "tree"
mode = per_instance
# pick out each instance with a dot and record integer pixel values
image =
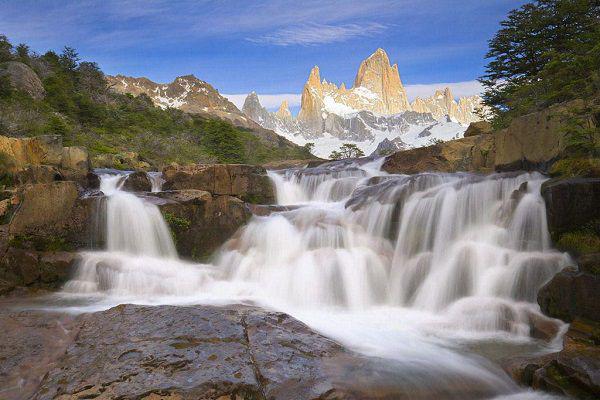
(5, 49)
(69, 59)
(22, 52)
(309, 147)
(545, 52)
(347, 150)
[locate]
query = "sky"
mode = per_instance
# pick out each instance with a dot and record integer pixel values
(267, 46)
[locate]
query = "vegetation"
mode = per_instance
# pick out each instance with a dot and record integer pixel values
(347, 150)
(585, 240)
(79, 107)
(546, 52)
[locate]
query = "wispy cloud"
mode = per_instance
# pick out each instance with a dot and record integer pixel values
(313, 34)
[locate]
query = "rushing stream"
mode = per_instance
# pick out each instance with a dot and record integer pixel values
(437, 273)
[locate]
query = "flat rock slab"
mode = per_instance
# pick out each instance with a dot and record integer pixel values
(195, 352)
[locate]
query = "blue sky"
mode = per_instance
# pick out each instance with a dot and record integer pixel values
(266, 46)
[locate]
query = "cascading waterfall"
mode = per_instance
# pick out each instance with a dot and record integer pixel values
(409, 268)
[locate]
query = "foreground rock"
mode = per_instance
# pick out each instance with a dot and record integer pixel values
(248, 182)
(137, 182)
(199, 221)
(141, 352)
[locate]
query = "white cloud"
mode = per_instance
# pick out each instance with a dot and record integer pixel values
(269, 101)
(459, 89)
(313, 34)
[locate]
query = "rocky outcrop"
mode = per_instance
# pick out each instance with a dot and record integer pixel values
(536, 140)
(248, 182)
(23, 78)
(531, 142)
(199, 221)
(37, 158)
(571, 203)
(473, 153)
(198, 352)
(53, 213)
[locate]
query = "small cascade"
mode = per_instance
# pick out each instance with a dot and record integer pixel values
(157, 180)
(140, 258)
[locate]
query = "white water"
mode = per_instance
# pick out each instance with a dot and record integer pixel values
(416, 269)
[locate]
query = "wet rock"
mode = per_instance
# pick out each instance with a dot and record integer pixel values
(137, 182)
(248, 182)
(199, 221)
(286, 164)
(570, 294)
(571, 203)
(92, 180)
(574, 371)
(264, 210)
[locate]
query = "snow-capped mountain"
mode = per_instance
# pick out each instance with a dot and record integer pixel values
(374, 110)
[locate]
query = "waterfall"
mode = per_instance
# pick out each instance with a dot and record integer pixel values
(419, 268)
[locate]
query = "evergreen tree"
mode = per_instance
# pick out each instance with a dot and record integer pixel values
(546, 52)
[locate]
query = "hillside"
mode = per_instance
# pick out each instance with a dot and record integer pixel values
(60, 94)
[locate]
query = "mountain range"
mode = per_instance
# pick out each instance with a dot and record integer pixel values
(375, 113)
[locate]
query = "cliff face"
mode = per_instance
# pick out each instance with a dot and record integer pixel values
(443, 104)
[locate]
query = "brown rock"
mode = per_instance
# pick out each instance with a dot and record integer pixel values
(75, 158)
(473, 153)
(478, 128)
(535, 140)
(201, 222)
(37, 150)
(248, 182)
(32, 174)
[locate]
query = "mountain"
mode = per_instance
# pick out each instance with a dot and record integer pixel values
(373, 110)
(192, 95)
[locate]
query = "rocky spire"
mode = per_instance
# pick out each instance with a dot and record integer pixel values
(376, 74)
(284, 111)
(419, 105)
(312, 101)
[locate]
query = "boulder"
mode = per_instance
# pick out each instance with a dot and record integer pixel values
(248, 182)
(478, 128)
(473, 153)
(573, 293)
(23, 78)
(571, 203)
(137, 182)
(199, 221)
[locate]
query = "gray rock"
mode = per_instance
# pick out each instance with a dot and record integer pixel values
(23, 78)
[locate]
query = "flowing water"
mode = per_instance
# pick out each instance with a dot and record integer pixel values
(437, 273)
